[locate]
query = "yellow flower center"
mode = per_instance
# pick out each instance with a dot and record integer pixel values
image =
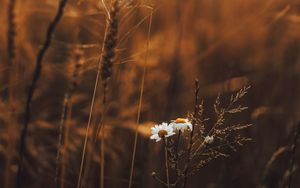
(180, 120)
(162, 133)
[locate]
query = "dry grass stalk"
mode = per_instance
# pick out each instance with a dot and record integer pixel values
(33, 85)
(140, 101)
(108, 55)
(280, 151)
(105, 71)
(215, 35)
(10, 93)
(291, 150)
(65, 118)
(196, 111)
(293, 154)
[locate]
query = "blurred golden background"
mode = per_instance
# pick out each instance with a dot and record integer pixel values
(225, 44)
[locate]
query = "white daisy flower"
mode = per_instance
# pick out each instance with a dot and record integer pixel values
(208, 139)
(181, 124)
(161, 131)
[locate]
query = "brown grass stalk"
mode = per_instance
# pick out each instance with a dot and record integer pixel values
(293, 153)
(273, 158)
(79, 181)
(108, 55)
(140, 101)
(89, 157)
(32, 87)
(104, 71)
(11, 54)
(65, 118)
(197, 90)
(102, 154)
(64, 155)
(60, 139)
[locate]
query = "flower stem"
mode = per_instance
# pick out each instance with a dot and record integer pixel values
(158, 179)
(176, 153)
(166, 161)
(196, 109)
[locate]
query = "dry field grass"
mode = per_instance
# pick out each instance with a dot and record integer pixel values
(83, 81)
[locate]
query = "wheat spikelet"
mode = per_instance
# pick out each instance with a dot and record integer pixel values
(108, 54)
(105, 71)
(110, 43)
(11, 31)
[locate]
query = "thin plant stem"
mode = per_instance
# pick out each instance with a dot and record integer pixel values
(102, 154)
(158, 179)
(88, 127)
(140, 103)
(108, 54)
(65, 119)
(101, 129)
(87, 133)
(60, 140)
(11, 91)
(93, 145)
(192, 133)
(166, 161)
(33, 85)
(110, 42)
(91, 111)
(273, 158)
(176, 154)
(64, 156)
(293, 152)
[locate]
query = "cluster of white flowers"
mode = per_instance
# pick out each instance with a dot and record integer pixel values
(165, 130)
